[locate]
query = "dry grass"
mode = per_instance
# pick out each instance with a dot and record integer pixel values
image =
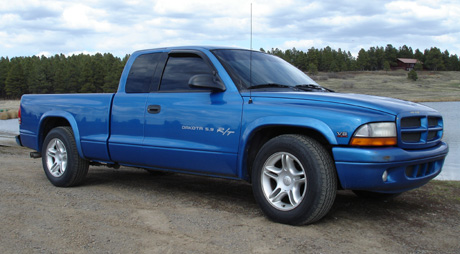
(9, 104)
(10, 114)
(431, 86)
(9, 109)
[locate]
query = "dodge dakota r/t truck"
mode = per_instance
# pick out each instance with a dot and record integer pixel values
(238, 114)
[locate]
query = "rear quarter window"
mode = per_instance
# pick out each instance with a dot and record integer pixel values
(142, 72)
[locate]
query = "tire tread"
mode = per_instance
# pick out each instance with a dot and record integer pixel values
(329, 190)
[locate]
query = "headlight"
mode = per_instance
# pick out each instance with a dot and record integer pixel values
(375, 134)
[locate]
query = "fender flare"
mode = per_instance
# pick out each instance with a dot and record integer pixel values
(69, 118)
(254, 126)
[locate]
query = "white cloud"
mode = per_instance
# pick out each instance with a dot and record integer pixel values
(446, 38)
(302, 44)
(29, 27)
(412, 9)
(79, 16)
(44, 53)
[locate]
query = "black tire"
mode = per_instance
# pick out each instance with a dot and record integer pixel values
(375, 195)
(301, 195)
(62, 164)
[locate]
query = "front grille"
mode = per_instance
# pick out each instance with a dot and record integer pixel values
(411, 137)
(411, 122)
(433, 121)
(420, 131)
(432, 135)
(424, 169)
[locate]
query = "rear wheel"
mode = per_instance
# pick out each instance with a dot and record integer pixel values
(62, 164)
(294, 180)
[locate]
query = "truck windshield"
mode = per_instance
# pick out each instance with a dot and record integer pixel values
(265, 71)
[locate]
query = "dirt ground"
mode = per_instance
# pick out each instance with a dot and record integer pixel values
(131, 211)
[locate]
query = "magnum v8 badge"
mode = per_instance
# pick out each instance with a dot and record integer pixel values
(342, 134)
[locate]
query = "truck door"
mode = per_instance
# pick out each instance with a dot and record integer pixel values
(192, 129)
(128, 107)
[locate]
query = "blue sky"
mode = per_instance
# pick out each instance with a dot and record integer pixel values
(48, 27)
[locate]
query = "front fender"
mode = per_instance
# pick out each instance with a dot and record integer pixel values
(64, 115)
(303, 122)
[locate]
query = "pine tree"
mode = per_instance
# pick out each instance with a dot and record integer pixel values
(391, 55)
(419, 55)
(4, 68)
(386, 66)
(454, 63)
(15, 85)
(312, 69)
(312, 58)
(418, 66)
(363, 60)
(36, 80)
(405, 52)
(326, 59)
(434, 59)
(99, 72)
(412, 75)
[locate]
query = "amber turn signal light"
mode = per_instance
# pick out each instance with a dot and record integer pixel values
(359, 141)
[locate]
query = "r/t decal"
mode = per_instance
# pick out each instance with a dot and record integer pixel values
(225, 131)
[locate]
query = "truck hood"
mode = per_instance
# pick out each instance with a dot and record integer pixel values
(383, 104)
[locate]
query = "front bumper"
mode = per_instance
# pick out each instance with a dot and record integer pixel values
(388, 170)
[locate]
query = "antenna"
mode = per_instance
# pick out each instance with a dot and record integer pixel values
(251, 28)
(250, 63)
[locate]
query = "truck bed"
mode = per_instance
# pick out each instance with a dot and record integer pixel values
(87, 114)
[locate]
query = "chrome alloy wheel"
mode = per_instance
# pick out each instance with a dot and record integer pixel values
(56, 157)
(284, 182)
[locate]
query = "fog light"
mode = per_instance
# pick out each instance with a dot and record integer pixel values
(385, 176)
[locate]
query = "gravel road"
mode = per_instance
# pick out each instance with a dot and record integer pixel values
(131, 211)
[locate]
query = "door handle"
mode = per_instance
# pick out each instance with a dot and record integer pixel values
(154, 109)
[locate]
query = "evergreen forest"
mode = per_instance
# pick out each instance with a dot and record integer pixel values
(100, 73)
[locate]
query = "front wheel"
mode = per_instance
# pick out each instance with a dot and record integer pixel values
(294, 180)
(62, 164)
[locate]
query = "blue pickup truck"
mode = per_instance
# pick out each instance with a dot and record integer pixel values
(238, 114)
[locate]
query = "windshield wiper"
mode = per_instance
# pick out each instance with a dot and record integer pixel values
(311, 87)
(269, 85)
(306, 87)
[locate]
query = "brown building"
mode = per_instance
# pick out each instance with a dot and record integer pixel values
(407, 63)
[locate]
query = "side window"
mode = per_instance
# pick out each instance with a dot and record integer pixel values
(179, 69)
(141, 74)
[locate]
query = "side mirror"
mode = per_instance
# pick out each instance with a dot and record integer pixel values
(206, 81)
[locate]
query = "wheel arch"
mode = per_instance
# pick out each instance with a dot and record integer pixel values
(254, 138)
(53, 119)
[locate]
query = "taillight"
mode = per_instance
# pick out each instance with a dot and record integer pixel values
(19, 115)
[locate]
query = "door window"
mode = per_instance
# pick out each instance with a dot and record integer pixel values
(179, 69)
